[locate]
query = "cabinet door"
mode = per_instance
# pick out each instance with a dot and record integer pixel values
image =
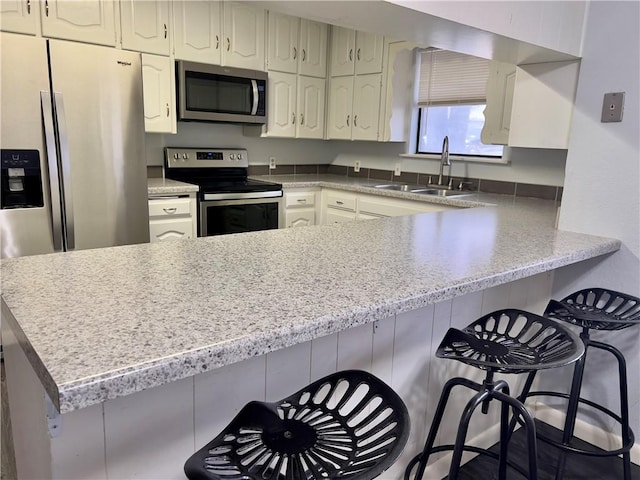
(334, 215)
(281, 105)
(18, 16)
(311, 96)
(300, 217)
(145, 26)
(343, 43)
(158, 82)
(497, 113)
(86, 21)
(369, 50)
(366, 107)
(170, 229)
(340, 102)
(197, 31)
(243, 44)
(313, 49)
(283, 43)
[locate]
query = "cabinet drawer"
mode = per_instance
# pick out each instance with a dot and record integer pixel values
(170, 229)
(299, 199)
(168, 207)
(342, 200)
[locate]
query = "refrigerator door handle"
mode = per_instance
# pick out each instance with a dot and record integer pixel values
(52, 162)
(65, 164)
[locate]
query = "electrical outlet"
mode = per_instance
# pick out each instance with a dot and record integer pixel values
(397, 171)
(272, 163)
(356, 166)
(612, 107)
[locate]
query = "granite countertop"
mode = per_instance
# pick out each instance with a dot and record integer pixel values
(99, 324)
(165, 186)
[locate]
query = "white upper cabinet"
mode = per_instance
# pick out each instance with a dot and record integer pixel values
(369, 51)
(284, 31)
(340, 108)
(244, 36)
(281, 104)
(343, 45)
(366, 107)
(355, 52)
(19, 16)
(297, 45)
(310, 107)
(158, 80)
(89, 21)
(197, 30)
(295, 105)
(530, 105)
(145, 26)
(313, 48)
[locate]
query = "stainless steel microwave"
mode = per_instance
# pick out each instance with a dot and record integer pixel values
(211, 93)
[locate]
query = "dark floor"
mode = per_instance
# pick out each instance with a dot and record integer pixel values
(578, 467)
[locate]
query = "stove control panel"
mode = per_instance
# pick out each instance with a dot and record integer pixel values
(181, 157)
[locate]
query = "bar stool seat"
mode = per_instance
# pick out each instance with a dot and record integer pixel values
(348, 425)
(505, 341)
(592, 309)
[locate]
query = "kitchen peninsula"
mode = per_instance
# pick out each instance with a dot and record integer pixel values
(146, 351)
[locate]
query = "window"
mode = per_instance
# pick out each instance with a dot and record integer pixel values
(451, 102)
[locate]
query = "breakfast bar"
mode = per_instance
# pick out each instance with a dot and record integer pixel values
(123, 361)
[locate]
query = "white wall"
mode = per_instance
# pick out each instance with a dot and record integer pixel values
(602, 185)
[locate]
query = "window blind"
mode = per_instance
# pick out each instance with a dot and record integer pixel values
(452, 78)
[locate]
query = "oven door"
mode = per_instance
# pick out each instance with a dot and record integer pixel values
(219, 217)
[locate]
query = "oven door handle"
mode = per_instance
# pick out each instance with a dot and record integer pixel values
(254, 86)
(241, 196)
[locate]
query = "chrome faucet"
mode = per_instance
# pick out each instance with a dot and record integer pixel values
(444, 159)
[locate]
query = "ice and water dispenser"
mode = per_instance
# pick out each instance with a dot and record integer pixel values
(21, 179)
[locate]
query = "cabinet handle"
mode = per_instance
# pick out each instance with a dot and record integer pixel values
(217, 42)
(348, 120)
(302, 119)
(304, 54)
(28, 7)
(295, 53)
(302, 200)
(293, 118)
(355, 120)
(169, 210)
(351, 54)
(338, 202)
(165, 30)
(228, 44)
(167, 110)
(358, 55)
(46, 8)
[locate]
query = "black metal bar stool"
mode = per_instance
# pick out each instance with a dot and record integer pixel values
(597, 309)
(505, 341)
(348, 425)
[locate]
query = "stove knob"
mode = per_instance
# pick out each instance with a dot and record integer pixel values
(185, 156)
(232, 156)
(239, 156)
(176, 156)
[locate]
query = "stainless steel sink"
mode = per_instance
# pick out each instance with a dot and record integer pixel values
(393, 186)
(440, 192)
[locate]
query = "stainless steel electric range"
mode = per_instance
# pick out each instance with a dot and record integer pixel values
(228, 201)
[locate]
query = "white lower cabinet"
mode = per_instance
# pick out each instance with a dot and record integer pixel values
(300, 207)
(340, 207)
(172, 218)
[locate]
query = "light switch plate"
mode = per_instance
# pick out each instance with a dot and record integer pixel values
(612, 107)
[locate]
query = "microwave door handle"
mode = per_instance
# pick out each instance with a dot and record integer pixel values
(65, 164)
(254, 86)
(52, 161)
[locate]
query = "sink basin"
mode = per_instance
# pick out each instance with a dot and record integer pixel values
(440, 192)
(393, 186)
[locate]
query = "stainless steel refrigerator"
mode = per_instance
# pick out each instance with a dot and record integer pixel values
(72, 141)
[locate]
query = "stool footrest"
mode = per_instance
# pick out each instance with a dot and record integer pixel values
(626, 447)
